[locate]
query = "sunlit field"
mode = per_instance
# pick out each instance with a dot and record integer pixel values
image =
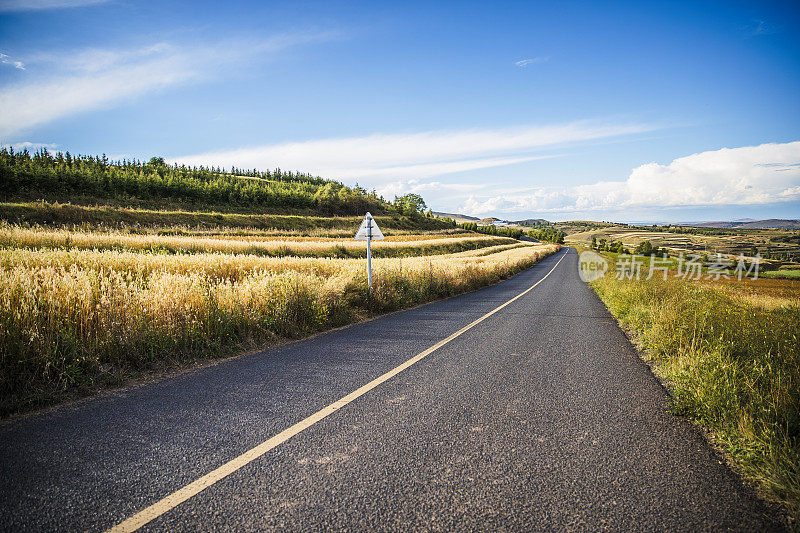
(403, 245)
(84, 309)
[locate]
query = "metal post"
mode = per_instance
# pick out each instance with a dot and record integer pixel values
(369, 253)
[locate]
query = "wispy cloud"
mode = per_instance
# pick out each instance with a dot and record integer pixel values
(400, 187)
(70, 82)
(29, 145)
(381, 158)
(38, 5)
(6, 60)
(762, 27)
(526, 62)
(750, 175)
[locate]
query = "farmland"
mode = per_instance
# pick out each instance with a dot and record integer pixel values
(255, 244)
(778, 248)
(84, 310)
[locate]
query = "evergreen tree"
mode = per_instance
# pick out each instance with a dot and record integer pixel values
(64, 177)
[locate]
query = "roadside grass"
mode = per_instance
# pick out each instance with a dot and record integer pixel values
(74, 321)
(732, 363)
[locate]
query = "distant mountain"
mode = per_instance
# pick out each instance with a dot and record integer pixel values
(457, 217)
(461, 219)
(772, 223)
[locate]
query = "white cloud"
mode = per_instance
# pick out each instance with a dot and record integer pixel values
(29, 145)
(383, 157)
(31, 104)
(37, 5)
(751, 175)
(6, 60)
(425, 170)
(82, 80)
(401, 187)
(526, 62)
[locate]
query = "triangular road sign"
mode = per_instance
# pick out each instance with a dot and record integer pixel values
(368, 230)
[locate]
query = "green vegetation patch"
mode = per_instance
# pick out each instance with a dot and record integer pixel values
(781, 274)
(68, 215)
(491, 229)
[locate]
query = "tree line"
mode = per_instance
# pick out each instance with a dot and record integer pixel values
(643, 248)
(694, 230)
(547, 234)
(62, 176)
(514, 233)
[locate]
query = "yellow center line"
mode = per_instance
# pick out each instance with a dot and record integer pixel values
(181, 495)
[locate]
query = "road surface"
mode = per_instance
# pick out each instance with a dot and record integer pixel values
(540, 416)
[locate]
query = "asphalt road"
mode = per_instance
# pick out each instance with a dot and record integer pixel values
(541, 417)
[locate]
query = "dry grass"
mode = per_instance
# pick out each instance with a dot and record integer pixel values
(21, 237)
(71, 318)
(760, 295)
(765, 293)
(730, 351)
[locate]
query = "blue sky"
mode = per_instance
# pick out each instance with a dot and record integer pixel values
(629, 111)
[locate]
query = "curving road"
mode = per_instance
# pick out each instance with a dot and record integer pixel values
(539, 417)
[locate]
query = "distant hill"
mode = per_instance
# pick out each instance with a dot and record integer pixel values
(461, 219)
(457, 217)
(771, 223)
(533, 222)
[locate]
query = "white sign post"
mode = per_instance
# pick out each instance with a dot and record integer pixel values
(369, 231)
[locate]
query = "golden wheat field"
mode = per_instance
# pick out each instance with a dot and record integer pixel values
(71, 312)
(37, 237)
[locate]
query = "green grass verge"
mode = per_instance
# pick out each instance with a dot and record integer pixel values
(733, 368)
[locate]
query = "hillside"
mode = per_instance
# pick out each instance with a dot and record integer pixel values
(459, 218)
(176, 222)
(94, 180)
(533, 222)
